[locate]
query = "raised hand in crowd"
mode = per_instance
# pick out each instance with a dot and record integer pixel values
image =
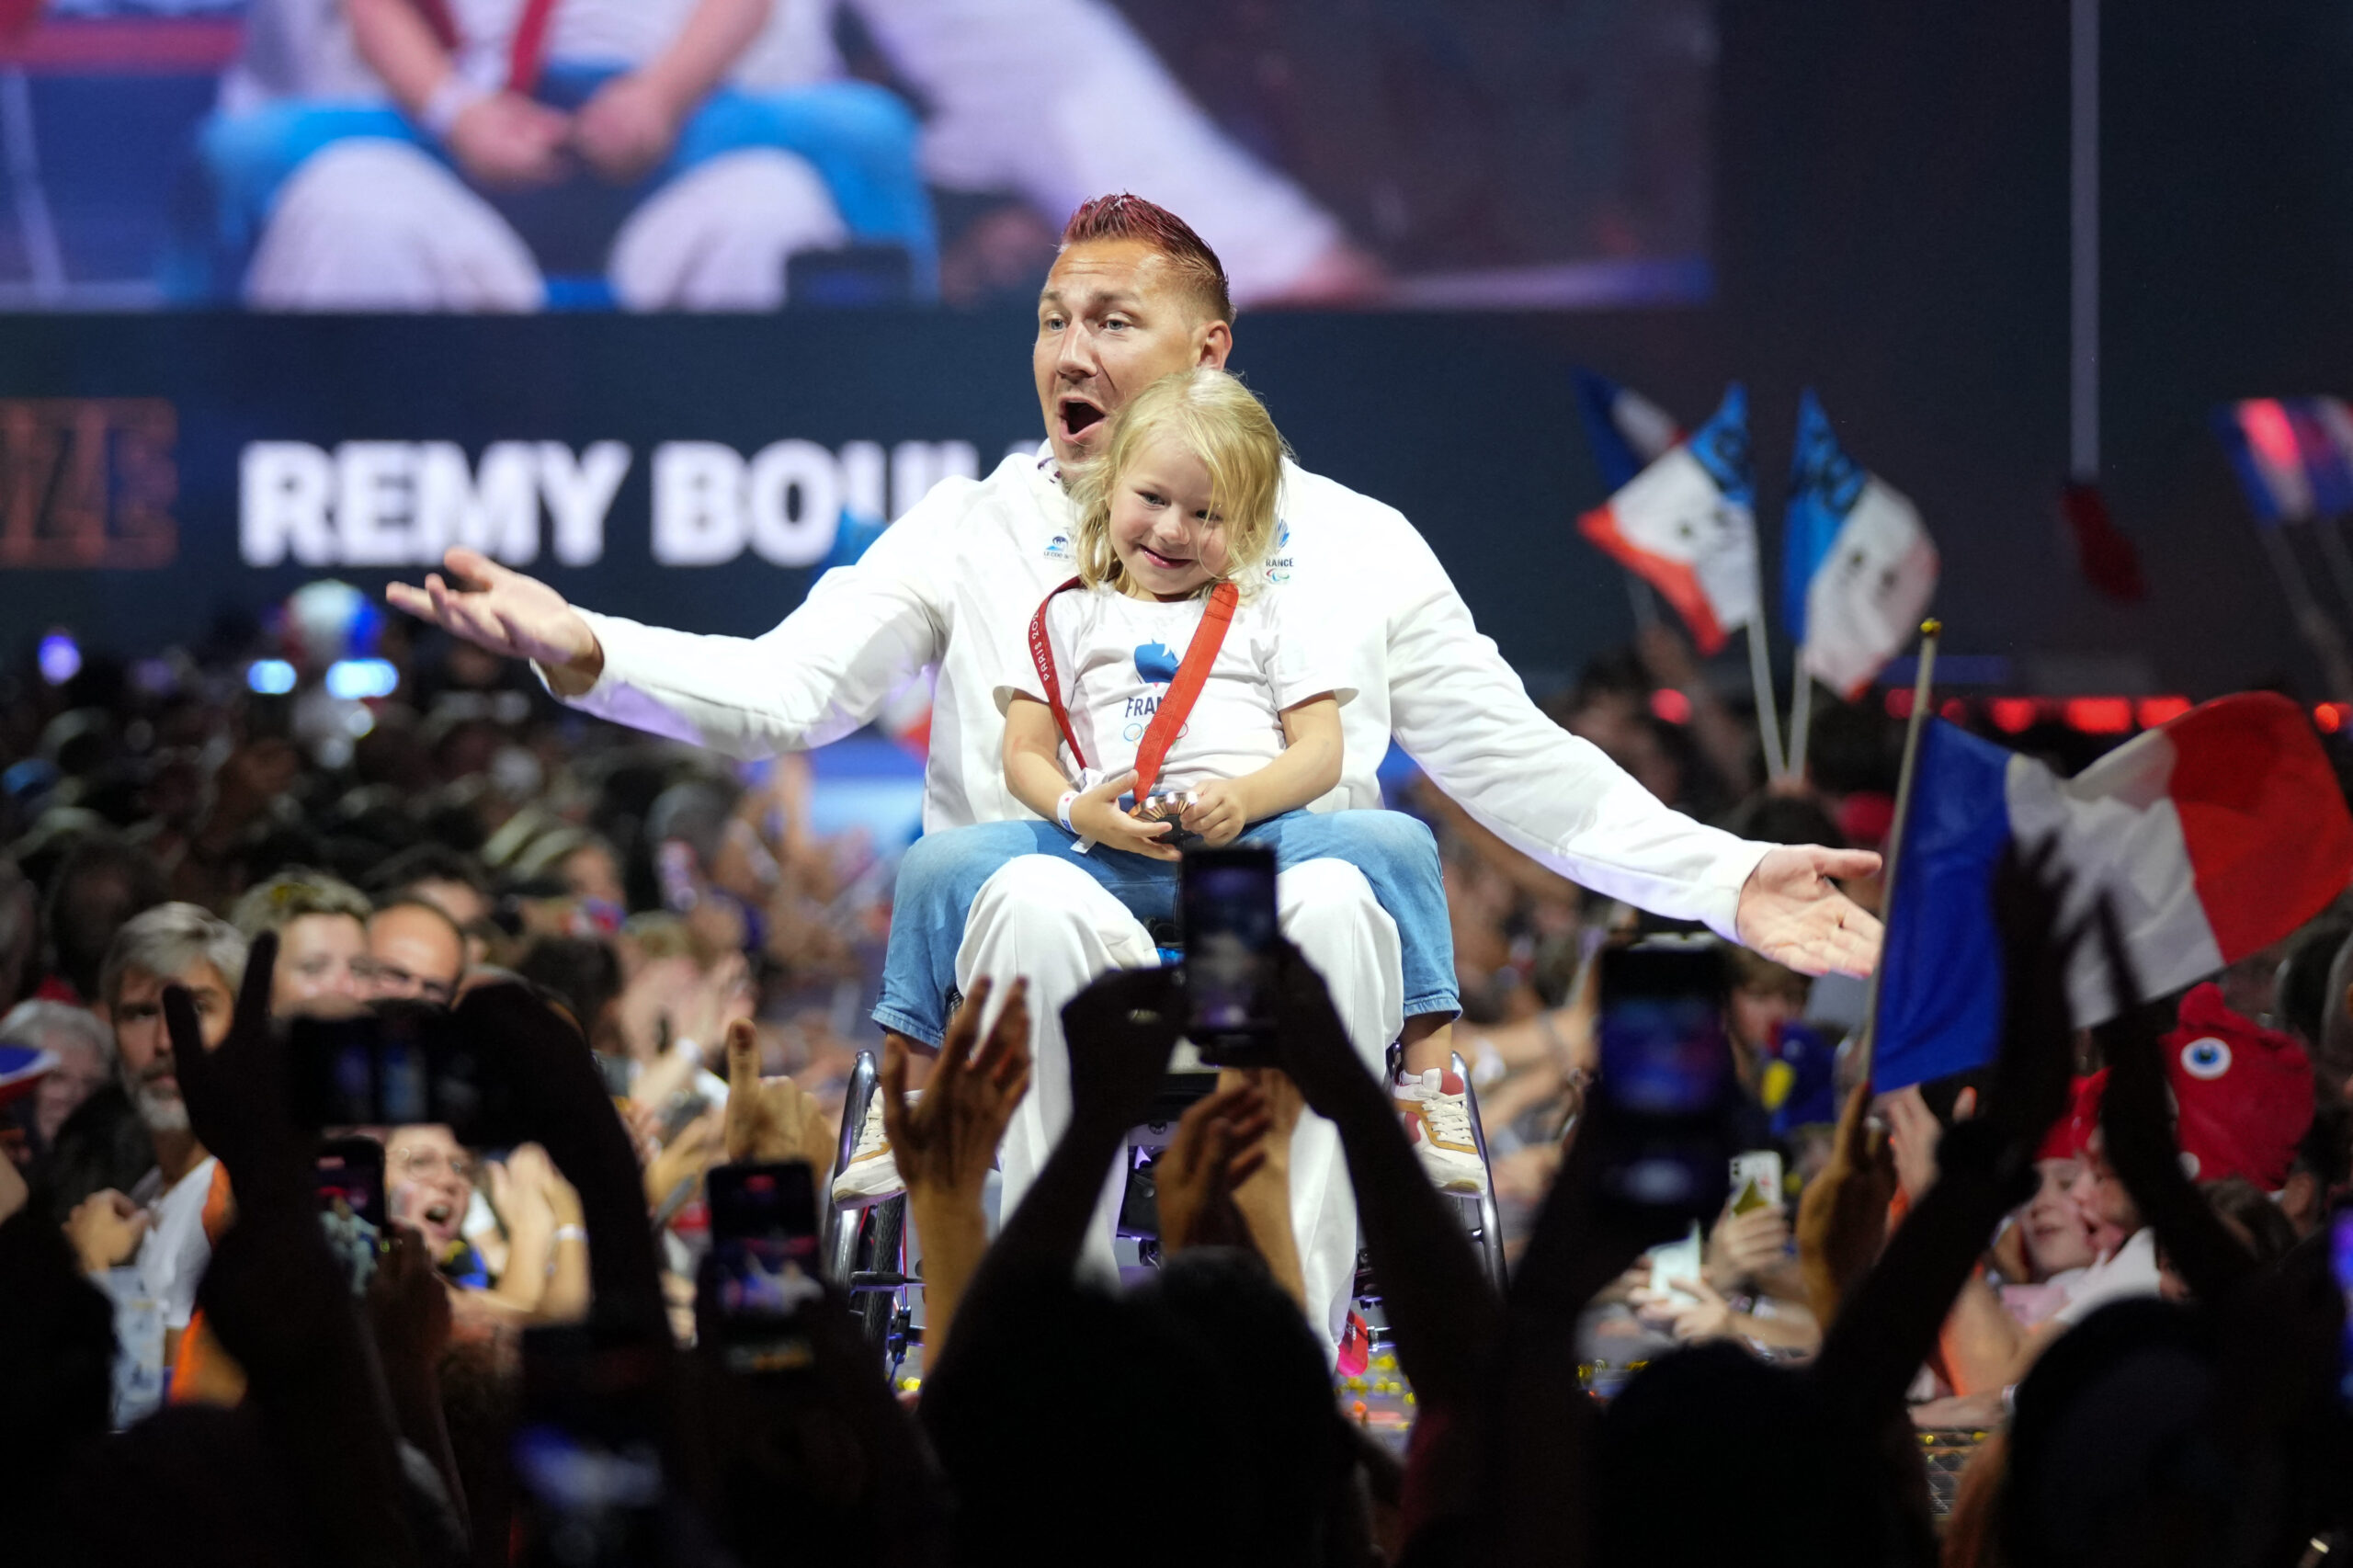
(947, 1140)
(1842, 1215)
(678, 1165)
(106, 1228)
(1912, 1130)
(2138, 1141)
(1441, 1308)
(274, 1295)
(1219, 1144)
(1263, 1195)
(772, 1119)
(1744, 1249)
(562, 1105)
(409, 1315)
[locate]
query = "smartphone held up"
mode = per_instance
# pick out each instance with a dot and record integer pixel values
(1667, 1075)
(1226, 908)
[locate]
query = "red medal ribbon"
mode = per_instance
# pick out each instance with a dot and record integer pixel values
(523, 54)
(1192, 674)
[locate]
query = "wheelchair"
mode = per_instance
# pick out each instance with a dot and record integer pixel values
(865, 1252)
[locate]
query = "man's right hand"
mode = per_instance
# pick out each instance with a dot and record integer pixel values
(510, 142)
(509, 614)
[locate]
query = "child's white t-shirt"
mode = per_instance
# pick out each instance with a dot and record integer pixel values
(1115, 656)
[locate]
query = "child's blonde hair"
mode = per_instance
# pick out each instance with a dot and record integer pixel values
(1211, 415)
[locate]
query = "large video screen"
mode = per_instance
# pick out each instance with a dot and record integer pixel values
(525, 155)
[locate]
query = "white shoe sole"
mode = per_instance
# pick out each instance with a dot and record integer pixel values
(869, 1182)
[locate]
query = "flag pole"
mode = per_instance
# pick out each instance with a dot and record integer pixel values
(2319, 630)
(1760, 676)
(1645, 603)
(1801, 713)
(2333, 552)
(1921, 684)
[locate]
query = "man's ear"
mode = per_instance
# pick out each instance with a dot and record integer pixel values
(1213, 342)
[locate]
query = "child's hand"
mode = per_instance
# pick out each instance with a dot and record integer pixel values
(1217, 812)
(1096, 814)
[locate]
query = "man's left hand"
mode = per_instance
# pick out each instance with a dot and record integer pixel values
(1791, 911)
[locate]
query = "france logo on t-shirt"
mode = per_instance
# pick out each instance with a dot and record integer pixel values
(1156, 664)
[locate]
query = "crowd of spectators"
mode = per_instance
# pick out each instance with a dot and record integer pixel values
(2103, 1263)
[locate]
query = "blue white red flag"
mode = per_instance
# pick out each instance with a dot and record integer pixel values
(2212, 835)
(1858, 567)
(1686, 525)
(21, 1069)
(2294, 456)
(1628, 431)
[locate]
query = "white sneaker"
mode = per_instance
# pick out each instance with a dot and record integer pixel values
(872, 1175)
(1437, 1118)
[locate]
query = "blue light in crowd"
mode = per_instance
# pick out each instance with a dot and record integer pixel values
(271, 677)
(60, 660)
(357, 678)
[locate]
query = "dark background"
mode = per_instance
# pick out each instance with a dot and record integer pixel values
(1889, 225)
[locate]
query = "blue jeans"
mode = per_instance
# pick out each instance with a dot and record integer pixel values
(859, 138)
(943, 871)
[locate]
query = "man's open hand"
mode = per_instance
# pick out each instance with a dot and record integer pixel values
(1790, 912)
(507, 613)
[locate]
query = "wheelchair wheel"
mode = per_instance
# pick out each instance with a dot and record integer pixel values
(865, 1244)
(1479, 1214)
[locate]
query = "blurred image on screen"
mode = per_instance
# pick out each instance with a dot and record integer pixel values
(527, 155)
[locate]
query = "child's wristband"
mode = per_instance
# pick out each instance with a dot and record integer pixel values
(1061, 809)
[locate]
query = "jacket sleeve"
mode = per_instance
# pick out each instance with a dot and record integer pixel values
(1463, 716)
(864, 630)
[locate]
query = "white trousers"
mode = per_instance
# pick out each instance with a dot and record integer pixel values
(1052, 924)
(374, 224)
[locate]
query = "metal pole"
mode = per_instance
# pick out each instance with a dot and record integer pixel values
(1930, 631)
(1801, 714)
(1760, 676)
(2083, 294)
(2320, 632)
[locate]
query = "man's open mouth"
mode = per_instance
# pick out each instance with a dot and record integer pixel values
(437, 1213)
(1079, 416)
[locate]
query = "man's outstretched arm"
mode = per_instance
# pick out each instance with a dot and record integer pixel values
(863, 632)
(1463, 715)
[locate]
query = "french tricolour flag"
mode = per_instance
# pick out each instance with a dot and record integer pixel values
(1628, 431)
(1858, 567)
(21, 1070)
(2294, 455)
(2214, 836)
(1686, 525)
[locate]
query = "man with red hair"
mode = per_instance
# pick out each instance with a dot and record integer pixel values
(1135, 295)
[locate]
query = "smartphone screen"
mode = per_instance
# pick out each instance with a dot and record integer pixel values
(348, 1179)
(761, 1269)
(1666, 1073)
(1663, 1047)
(763, 1237)
(396, 1064)
(1227, 903)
